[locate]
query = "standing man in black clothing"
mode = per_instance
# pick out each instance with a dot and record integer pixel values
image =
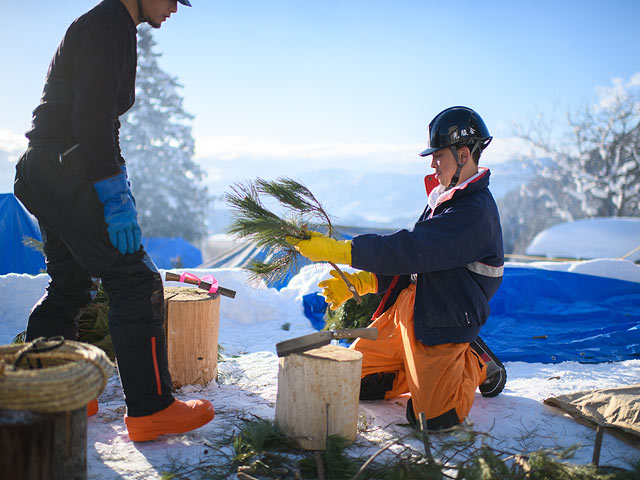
(73, 178)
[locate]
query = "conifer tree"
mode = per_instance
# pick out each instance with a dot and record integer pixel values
(158, 147)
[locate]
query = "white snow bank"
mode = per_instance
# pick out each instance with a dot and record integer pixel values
(18, 293)
(589, 238)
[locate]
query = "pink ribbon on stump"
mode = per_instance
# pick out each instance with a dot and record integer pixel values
(207, 278)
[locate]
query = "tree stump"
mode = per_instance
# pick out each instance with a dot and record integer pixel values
(191, 327)
(43, 446)
(318, 394)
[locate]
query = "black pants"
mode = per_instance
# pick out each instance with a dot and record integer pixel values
(77, 247)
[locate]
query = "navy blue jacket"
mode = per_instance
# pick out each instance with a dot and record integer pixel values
(457, 255)
(90, 83)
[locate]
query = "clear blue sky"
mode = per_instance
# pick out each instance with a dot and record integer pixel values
(265, 74)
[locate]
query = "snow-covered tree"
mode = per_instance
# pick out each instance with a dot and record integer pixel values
(589, 169)
(597, 164)
(158, 147)
(526, 211)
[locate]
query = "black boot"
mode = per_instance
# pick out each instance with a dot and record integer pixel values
(496, 373)
(446, 420)
(375, 385)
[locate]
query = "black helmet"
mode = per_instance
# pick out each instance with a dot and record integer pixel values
(457, 126)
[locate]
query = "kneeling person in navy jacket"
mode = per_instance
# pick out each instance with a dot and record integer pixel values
(437, 280)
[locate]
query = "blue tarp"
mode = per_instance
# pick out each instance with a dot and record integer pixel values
(15, 225)
(172, 252)
(550, 316)
(314, 308)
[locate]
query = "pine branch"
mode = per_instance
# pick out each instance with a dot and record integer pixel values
(297, 198)
(268, 230)
(32, 243)
(253, 220)
(257, 223)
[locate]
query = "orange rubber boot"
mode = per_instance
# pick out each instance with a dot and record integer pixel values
(92, 407)
(179, 417)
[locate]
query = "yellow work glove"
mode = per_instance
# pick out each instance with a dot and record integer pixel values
(335, 291)
(320, 248)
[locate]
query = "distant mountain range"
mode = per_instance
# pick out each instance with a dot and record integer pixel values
(362, 199)
(379, 200)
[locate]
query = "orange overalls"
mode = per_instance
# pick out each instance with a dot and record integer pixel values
(440, 378)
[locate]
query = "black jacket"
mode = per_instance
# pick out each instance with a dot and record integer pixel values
(90, 83)
(457, 255)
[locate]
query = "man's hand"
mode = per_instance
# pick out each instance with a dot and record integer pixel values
(320, 248)
(119, 213)
(335, 291)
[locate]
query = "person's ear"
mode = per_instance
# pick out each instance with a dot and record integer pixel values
(464, 154)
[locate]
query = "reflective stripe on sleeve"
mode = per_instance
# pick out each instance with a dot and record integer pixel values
(486, 270)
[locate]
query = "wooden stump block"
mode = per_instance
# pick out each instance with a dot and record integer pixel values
(318, 394)
(43, 446)
(191, 325)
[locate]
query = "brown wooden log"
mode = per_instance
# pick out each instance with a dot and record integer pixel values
(318, 392)
(43, 446)
(191, 326)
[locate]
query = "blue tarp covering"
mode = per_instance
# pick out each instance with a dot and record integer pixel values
(314, 308)
(15, 224)
(550, 316)
(580, 318)
(172, 252)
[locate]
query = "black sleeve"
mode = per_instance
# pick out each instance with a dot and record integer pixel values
(100, 66)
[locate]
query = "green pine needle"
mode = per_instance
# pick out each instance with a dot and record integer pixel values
(254, 221)
(296, 197)
(34, 244)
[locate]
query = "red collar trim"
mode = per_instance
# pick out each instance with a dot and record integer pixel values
(430, 182)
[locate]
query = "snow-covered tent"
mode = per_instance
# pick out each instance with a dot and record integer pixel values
(590, 238)
(242, 252)
(15, 225)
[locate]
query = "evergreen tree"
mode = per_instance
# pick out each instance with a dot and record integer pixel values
(158, 147)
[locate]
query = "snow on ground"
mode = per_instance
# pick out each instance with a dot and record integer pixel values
(251, 325)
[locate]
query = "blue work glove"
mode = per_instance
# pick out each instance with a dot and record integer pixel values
(119, 213)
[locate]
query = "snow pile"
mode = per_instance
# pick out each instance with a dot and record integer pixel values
(590, 238)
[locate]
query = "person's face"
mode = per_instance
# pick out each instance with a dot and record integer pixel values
(157, 11)
(445, 166)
